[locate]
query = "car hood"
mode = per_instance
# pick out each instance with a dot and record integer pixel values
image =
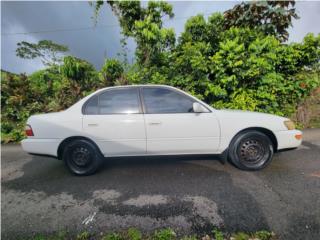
(243, 113)
(248, 118)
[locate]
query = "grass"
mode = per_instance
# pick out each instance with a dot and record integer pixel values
(164, 234)
(261, 235)
(161, 234)
(112, 236)
(217, 234)
(83, 236)
(134, 234)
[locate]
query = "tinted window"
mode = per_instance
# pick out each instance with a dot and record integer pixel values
(162, 100)
(92, 106)
(119, 101)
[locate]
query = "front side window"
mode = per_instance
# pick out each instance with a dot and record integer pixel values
(115, 101)
(163, 100)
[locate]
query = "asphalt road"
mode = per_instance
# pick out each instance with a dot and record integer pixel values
(189, 195)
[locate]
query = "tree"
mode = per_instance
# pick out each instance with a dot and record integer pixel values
(17, 104)
(197, 29)
(270, 17)
(112, 70)
(77, 69)
(145, 25)
(227, 60)
(49, 52)
(79, 79)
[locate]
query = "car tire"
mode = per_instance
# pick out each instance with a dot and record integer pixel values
(251, 150)
(82, 157)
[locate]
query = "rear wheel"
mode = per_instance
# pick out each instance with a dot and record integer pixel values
(82, 157)
(251, 150)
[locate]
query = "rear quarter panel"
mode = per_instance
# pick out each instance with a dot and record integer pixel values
(56, 125)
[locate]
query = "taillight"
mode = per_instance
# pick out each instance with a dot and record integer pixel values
(29, 131)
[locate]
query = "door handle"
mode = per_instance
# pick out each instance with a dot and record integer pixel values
(92, 124)
(154, 123)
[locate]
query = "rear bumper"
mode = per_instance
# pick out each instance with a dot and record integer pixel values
(286, 149)
(47, 147)
(287, 139)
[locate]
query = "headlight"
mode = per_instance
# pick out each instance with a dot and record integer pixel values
(289, 124)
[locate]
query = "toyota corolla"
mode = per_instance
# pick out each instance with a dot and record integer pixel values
(145, 120)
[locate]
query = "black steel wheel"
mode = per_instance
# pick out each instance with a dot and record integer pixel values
(82, 157)
(251, 150)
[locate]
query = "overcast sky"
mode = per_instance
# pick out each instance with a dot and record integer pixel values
(94, 44)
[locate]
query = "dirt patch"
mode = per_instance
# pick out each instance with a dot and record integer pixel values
(206, 209)
(146, 200)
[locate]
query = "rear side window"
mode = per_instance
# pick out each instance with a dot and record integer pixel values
(162, 100)
(119, 101)
(115, 101)
(92, 106)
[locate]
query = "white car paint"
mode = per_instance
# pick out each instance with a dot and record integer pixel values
(122, 134)
(182, 133)
(152, 134)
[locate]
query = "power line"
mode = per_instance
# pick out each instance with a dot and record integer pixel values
(80, 28)
(60, 30)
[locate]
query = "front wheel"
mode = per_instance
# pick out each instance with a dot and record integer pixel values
(82, 157)
(251, 150)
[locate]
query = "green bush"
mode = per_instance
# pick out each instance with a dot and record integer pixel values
(52, 89)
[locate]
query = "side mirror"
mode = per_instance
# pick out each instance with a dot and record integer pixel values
(198, 108)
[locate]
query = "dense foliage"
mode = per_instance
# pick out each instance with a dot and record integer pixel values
(112, 71)
(271, 17)
(227, 60)
(52, 89)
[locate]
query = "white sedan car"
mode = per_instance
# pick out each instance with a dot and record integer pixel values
(146, 120)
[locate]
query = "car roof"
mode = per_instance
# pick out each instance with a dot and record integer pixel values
(137, 85)
(140, 85)
(82, 101)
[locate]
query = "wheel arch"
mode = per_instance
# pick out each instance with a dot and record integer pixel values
(68, 140)
(266, 131)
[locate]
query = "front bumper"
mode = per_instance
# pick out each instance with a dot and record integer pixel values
(41, 146)
(288, 139)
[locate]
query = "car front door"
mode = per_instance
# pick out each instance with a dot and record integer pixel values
(173, 128)
(115, 121)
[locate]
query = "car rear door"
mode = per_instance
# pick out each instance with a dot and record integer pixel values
(173, 128)
(115, 121)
